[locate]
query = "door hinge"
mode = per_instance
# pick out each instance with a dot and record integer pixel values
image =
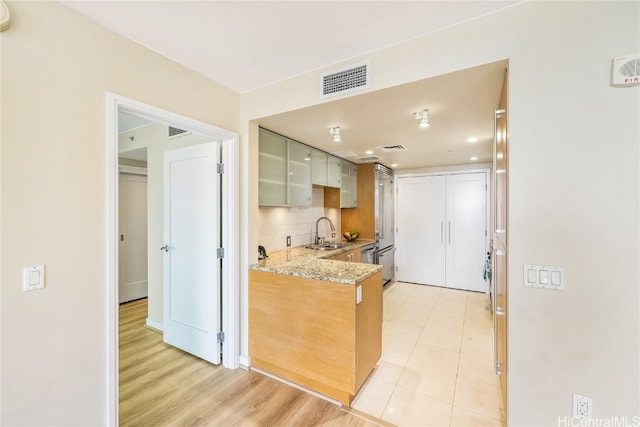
(220, 252)
(221, 336)
(220, 167)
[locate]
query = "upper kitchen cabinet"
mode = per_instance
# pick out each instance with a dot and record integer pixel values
(319, 170)
(284, 171)
(326, 169)
(334, 174)
(272, 170)
(299, 174)
(349, 187)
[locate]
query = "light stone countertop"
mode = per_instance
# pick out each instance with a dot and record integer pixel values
(310, 264)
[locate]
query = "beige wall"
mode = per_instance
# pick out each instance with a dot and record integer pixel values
(574, 190)
(574, 193)
(56, 69)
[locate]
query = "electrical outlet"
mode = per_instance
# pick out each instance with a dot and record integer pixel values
(288, 241)
(582, 406)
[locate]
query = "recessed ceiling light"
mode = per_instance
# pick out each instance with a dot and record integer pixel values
(422, 117)
(335, 133)
(394, 165)
(472, 139)
(473, 159)
(368, 152)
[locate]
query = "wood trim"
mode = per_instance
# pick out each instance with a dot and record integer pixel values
(313, 333)
(368, 330)
(344, 256)
(362, 218)
(331, 197)
(297, 378)
(303, 323)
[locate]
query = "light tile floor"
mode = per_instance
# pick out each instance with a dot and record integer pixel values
(436, 367)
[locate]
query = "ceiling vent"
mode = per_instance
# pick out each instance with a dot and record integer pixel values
(367, 159)
(345, 154)
(392, 148)
(176, 132)
(345, 80)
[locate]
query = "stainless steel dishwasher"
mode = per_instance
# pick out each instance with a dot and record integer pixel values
(368, 253)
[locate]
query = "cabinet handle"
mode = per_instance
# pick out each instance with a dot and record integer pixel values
(449, 231)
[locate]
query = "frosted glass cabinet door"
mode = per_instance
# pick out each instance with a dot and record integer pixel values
(334, 174)
(299, 188)
(319, 167)
(345, 194)
(353, 185)
(272, 169)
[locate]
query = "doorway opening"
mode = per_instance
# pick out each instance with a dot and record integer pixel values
(229, 226)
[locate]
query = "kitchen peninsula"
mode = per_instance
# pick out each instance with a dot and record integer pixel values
(316, 321)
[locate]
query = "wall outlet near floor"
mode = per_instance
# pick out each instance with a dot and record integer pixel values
(582, 406)
(288, 241)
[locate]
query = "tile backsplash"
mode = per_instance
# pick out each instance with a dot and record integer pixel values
(276, 223)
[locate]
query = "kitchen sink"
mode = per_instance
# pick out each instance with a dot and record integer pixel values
(326, 246)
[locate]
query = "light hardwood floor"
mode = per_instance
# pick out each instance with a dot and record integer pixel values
(163, 386)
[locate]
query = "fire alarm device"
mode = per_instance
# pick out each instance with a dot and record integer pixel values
(625, 70)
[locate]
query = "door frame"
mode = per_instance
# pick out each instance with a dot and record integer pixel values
(230, 234)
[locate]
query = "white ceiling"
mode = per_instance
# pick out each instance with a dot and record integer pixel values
(461, 105)
(248, 44)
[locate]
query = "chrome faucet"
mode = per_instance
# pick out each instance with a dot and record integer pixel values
(317, 241)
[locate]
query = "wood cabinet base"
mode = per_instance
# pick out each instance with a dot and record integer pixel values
(334, 393)
(313, 333)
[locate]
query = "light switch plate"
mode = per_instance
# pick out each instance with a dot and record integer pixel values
(33, 278)
(543, 276)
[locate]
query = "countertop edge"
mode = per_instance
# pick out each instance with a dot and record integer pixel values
(301, 262)
(332, 279)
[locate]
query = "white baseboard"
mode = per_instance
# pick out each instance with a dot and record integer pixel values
(155, 325)
(244, 362)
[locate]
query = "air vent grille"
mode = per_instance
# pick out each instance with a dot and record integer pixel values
(368, 159)
(345, 154)
(175, 132)
(346, 80)
(392, 148)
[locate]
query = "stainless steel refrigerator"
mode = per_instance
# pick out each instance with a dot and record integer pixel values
(384, 221)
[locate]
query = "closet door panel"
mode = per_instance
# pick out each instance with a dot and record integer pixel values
(420, 254)
(466, 231)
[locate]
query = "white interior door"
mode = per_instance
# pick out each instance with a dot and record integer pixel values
(466, 230)
(191, 237)
(132, 251)
(420, 252)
